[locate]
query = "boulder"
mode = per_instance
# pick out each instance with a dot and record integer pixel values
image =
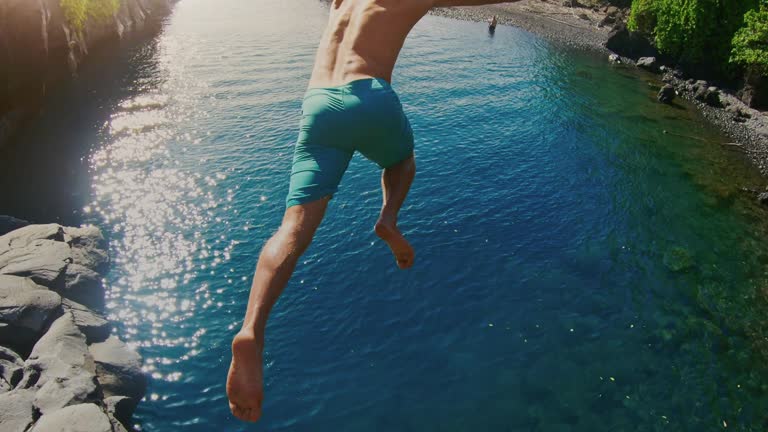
(10, 223)
(83, 285)
(17, 412)
(648, 63)
(121, 408)
(118, 369)
(763, 198)
(61, 353)
(11, 367)
(614, 58)
(43, 261)
(88, 247)
(708, 95)
(94, 326)
(612, 11)
(25, 235)
(60, 392)
(76, 418)
(629, 44)
(667, 94)
(25, 308)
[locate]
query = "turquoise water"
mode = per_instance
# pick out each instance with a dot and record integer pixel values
(578, 269)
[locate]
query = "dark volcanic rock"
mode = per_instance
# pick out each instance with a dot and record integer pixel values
(119, 369)
(629, 44)
(666, 94)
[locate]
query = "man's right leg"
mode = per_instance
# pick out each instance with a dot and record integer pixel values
(276, 263)
(395, 184)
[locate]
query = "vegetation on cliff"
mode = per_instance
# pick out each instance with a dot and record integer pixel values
(718, 34)
(77, 12)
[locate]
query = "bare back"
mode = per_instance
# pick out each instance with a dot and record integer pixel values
(363, 39)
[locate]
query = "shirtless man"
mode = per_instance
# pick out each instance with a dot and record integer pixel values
(348, 107)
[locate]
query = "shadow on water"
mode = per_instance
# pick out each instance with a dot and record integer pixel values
(45, 173)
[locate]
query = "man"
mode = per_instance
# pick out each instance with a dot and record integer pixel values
(349, 107)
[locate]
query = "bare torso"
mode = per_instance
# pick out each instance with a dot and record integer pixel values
(363, 39)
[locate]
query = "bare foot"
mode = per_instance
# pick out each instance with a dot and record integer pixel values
(402, 250)
(244, 382)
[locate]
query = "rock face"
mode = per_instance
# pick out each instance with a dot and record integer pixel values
(667, 94)
(39, 47)
(629, 44)
(755, 90)
(50, 282)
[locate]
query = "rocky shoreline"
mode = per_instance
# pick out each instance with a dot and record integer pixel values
(58, 363)
(40, 47)
(601, 30)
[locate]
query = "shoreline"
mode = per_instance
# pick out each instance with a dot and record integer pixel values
(590, 29)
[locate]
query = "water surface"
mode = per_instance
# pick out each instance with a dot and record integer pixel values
(586, 260)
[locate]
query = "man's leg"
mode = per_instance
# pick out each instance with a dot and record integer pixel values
(276, 263)
(395, 184)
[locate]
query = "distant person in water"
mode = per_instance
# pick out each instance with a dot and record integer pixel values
(492, 24)
(348, 107)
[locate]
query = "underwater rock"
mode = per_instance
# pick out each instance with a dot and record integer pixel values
(678, 259)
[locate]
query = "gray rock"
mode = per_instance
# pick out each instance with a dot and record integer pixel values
(25, 308)
(84, 286)
(763, 198)
(612, 11)
(667, 94)
(699, 85)
(76, 418)
(11, 367)
(59, 392)
(614, 58)
(121, 408)
(118, 369)
(23, 236)
(16, 410)
(61, 353)
(44, 261)
(10, 223)
(647, 63)
(94, 326)
(88, 247)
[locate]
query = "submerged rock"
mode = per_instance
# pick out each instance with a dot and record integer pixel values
(667, 94)
(678, 259)
(77, 418)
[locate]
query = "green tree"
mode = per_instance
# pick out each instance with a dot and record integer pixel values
(750, 44)
(77, 12)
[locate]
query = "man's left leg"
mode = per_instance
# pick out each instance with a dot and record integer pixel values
(276, 263)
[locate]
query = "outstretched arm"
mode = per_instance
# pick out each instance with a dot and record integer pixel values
(444, 3)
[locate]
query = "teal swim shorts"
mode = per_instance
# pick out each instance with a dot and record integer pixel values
(365, 116)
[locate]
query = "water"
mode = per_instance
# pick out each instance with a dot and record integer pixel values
(578, 269)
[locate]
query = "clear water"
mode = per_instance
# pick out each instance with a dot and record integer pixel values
(578, 269)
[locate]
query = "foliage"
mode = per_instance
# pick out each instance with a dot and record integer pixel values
(642, 17)
(750, 44)
(77, 12)
(692, 31)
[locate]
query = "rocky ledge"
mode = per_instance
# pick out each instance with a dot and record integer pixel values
(58, 363)
(40, 46)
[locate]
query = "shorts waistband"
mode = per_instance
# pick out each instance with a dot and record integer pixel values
(353, 86)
